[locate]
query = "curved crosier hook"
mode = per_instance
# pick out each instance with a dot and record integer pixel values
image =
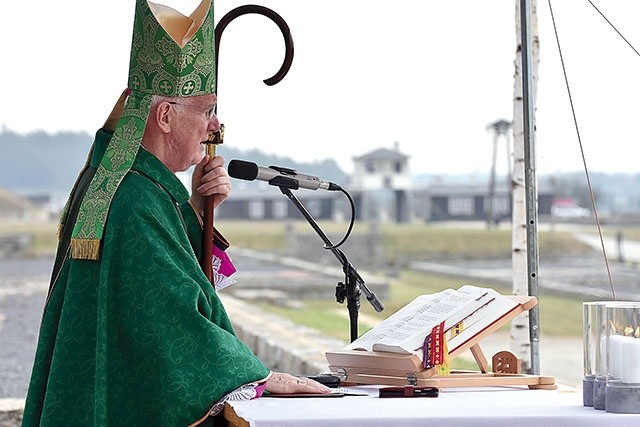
(217, 137)
(284, 28)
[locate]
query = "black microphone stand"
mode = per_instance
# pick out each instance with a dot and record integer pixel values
(353, 283)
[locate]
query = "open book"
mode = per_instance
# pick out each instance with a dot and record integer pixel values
(463, 313)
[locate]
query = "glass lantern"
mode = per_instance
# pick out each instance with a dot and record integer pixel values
(622, 393)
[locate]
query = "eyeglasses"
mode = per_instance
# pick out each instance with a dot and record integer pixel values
(209, 112)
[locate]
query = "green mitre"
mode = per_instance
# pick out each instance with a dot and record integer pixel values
(171, 55)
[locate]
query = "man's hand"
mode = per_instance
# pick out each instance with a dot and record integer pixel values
(209, 179)
(281, 383)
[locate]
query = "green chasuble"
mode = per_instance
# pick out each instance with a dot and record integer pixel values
(138, 337)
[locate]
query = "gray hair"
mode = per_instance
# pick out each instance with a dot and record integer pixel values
(157, 99)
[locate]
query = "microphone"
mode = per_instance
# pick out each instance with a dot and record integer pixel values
(278, 176)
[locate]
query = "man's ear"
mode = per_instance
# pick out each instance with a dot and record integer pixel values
(164, 115)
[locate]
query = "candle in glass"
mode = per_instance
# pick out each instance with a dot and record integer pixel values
(622, 391)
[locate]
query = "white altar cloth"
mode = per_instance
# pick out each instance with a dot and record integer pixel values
(455, 407)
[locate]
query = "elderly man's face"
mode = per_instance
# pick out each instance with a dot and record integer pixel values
(195, 121)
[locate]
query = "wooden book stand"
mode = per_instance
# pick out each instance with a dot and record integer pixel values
(370, 367)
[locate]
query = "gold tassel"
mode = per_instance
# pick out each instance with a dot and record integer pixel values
(85, 249)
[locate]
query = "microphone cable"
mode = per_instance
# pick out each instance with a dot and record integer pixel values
(353, 217)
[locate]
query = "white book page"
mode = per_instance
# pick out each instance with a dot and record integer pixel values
(450, 307)
(405, 330)
(391, 326)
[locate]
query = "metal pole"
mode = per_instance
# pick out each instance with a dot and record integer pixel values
(530, 180)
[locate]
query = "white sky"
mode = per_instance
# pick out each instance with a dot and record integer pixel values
(429, 74)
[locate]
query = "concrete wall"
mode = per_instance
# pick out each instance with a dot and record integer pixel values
(279, 343)
(11, 412)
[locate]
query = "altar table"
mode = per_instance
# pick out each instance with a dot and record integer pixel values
(455, 407)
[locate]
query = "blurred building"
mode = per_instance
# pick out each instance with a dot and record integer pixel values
(381, 186)
(471, 201)
(384, 190)
(268, 203)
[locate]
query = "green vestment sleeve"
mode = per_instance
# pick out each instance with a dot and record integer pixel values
(138, 337)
